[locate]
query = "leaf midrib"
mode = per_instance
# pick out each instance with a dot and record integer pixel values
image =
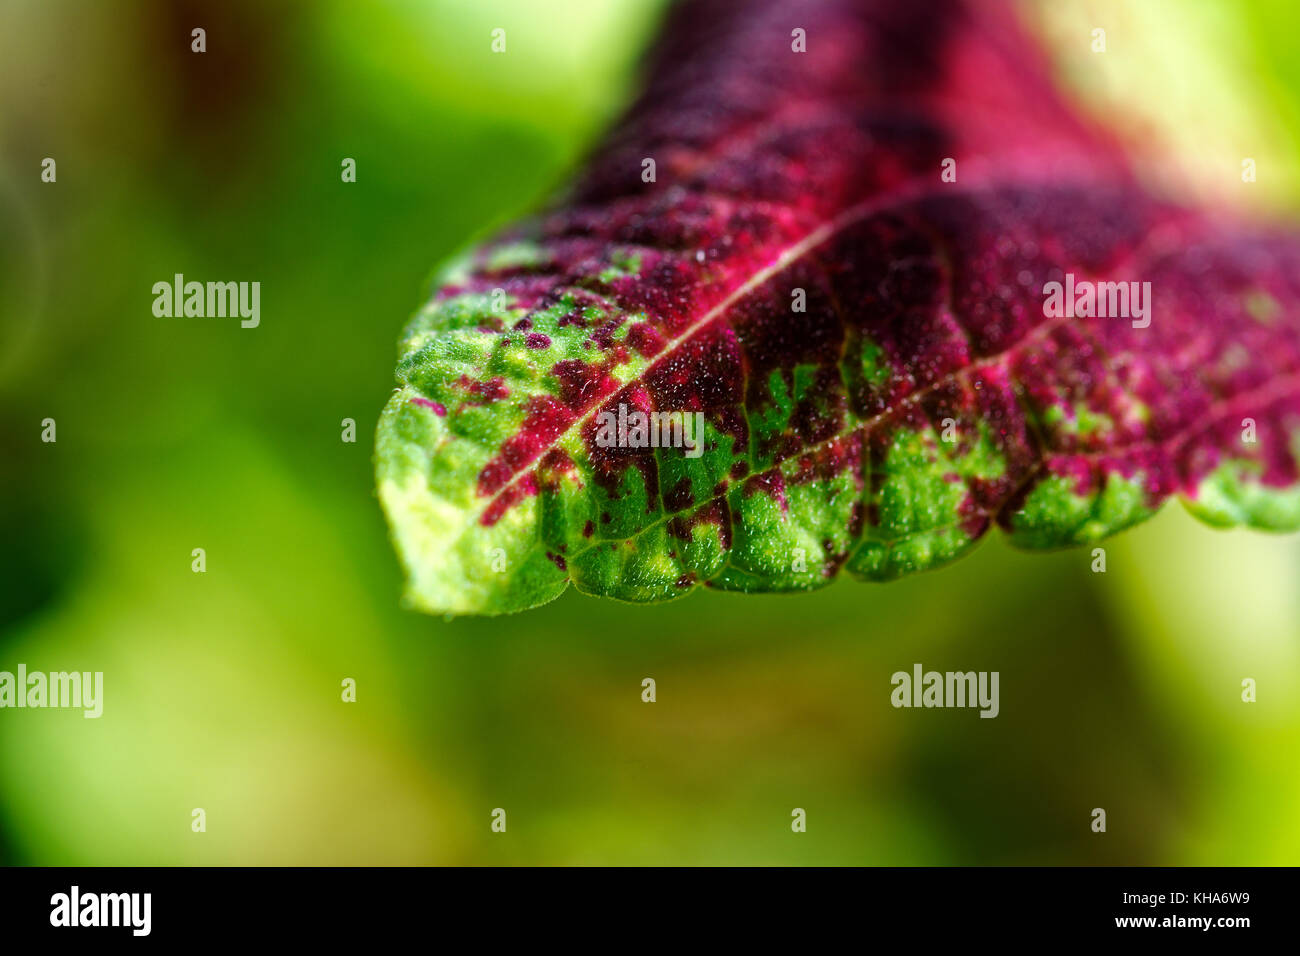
(793, 253)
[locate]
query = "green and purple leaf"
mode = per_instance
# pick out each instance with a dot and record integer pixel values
(919, 396)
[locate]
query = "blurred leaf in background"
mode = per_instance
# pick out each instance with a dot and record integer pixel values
(222, 689)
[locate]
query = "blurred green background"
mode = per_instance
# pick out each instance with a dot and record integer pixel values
(222, 690)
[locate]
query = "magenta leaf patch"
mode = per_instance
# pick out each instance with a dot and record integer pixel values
(835, 310)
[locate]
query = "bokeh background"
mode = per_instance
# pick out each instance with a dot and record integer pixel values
(222, 690)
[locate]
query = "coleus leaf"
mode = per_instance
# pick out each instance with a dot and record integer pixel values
(865, 340)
